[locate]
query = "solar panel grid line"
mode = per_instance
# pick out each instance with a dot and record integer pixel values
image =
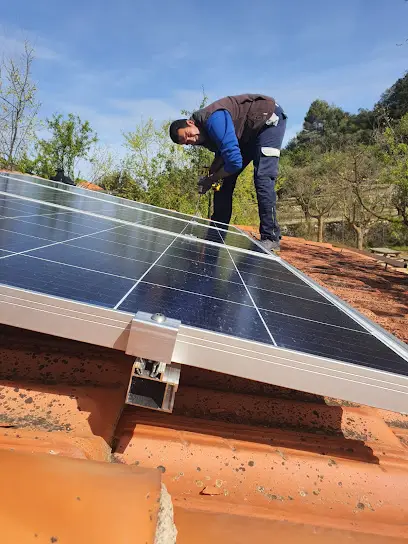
(30, 215)
(158, 265)
(143, 275)
(55, 243)
(86, 194)
(64, 187)
(194, 293)
(290, 295)
(121, 244)
(253, 302)
(124, 222)
(221, 279)
(378, 332)
(28, 219)
(24, 234)
(109, 254)
(77, 266)
(142, 205)
(18, 210)
(204, 275)
(313, 320)
(25, 220)
(128, 241)
(247, 305)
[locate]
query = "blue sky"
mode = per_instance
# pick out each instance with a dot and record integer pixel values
(114, 63)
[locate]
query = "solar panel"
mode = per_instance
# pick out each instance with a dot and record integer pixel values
(106, 206)
(80, 267)
(118, 200)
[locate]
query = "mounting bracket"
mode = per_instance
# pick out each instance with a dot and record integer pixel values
(154, 380)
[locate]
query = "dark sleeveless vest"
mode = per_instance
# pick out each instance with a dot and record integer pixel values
(249, 113)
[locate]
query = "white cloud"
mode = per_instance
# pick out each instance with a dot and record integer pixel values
(12, 43)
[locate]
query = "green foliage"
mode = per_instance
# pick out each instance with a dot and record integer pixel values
(393, 152)
(394, 101)
(25, 164)
(104, 163)
(324, 128)
(199, 157)
(71, 139)
(168, 172)
(121, 183)
(245, 204)
(328, 128)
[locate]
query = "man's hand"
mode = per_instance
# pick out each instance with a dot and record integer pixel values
(204, 184)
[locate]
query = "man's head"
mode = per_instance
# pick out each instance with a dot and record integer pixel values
(185, 132)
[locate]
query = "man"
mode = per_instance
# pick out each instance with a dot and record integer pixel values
(239, 129)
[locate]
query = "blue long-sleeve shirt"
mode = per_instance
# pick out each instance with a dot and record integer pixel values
(221, 130)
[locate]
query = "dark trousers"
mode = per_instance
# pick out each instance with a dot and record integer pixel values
(265, 173)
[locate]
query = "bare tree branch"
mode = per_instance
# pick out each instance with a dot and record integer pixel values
(18, 104)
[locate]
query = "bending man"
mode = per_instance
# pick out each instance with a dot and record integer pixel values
(239, 129)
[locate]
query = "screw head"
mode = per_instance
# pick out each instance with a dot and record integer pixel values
(159, 318)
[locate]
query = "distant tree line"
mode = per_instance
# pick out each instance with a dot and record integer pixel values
(348, 165)
(353, 165)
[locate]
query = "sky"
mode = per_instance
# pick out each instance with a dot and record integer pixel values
(117, 62)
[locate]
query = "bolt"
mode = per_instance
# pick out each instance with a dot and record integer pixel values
(159, 318)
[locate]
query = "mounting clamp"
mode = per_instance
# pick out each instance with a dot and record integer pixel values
(154, 380)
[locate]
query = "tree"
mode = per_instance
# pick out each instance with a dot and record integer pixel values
(200, 156)
(71, 139)
(18, 106)
(121, 183)
(393, 153)
(358, 217)
(365, 201)
(162, 168)
(325, 127)
(168, 172)
(314, 190)
(394, 101)
(103, 164)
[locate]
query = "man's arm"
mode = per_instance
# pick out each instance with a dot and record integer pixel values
(221, 130)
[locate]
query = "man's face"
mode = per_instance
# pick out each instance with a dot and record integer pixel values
(189, 135)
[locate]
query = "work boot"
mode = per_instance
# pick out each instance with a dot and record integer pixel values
(271, 245)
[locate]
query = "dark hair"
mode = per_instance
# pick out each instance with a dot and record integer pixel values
(175, 127)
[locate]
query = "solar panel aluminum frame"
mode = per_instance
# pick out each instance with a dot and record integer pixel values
(212, 350)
